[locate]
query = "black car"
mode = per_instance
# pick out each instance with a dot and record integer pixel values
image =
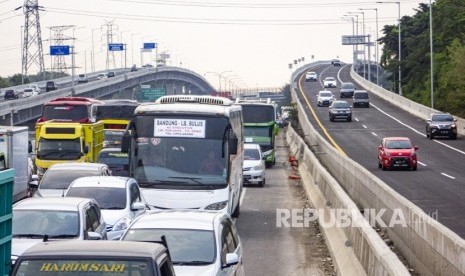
(441, 124)
(347, 90)
(340, 110)
(134, 68)
(50, 86)
(110, 74)
(361, 98)
(11, 94)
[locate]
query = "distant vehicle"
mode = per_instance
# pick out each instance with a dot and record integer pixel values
(70, 109)
(76, 258)
(111, 74)
(35, 87)
(55, 218)
(253, 169)
(340, 110)
(134, 68)
(82, 78)
(59, 176)
(347, 90)
(311, 76)
(11, 94)
(200, 242)
(336, 62)
(329, 82)
(119, 199)
(397, 152)
(441, 124)
(324, 98)
(224, 94)
(360, 98)
(30, 92)
(50, 86)
(148, 65)
(101, 76)
(117, 161)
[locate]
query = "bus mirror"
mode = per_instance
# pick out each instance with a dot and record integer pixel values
(86, 149)
(125, 142)
(29, 146)
(233, 145)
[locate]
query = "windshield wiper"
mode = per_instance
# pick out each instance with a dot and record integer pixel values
(30, 236)
(42, 155)
(192, 263)
(195, 180)
(69, 152)
(159, 182)
(61, 236)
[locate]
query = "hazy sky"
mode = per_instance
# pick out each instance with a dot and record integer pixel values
(254, 39)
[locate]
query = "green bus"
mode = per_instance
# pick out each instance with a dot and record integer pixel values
(260, 127)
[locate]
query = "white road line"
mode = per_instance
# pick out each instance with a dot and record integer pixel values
(242, 195)
(364, 126)
(374, 134)
(446, 175)
(423, 164)
(356, 119)
(414, 130)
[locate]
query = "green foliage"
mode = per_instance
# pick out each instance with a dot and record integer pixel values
(4, 83)
(449, 55)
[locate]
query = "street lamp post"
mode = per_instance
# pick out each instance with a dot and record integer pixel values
(400, 49)
(353, 33)
(376, 44)
(431, 51)
(219, 76)
(364, 45)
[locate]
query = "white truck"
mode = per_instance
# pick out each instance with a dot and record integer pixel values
(14, 150)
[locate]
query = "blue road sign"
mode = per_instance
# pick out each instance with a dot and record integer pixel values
(150, 45)
(115, 47)
(59, 50)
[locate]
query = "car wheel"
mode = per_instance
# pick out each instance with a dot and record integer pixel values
(414, 168)
(379, 165)
(331, 119)
(262, 183)
(383, 167)
(427, 134)
(431, 136)
(349, 119)
(453, 137)
(368, 105)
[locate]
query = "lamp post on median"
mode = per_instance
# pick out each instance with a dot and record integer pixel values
(353, 33)
(219, 77)
(400, 49)
(431, 51)
(364, 45)
(376, 45)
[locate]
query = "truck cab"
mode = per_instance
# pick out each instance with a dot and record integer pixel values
(70, 109)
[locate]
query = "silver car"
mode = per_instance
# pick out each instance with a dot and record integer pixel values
(55, 218)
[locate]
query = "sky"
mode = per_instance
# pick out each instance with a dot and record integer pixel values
(249, 43)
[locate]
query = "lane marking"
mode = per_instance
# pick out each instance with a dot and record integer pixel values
(446, 175)
(318, 120)
(423, 164)
(356, 119)
(374, 134)
(242, 196)
(416, 131)
(364, 126)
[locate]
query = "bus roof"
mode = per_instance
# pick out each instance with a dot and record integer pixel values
(189, 104)
(126, 102)
(73, 101)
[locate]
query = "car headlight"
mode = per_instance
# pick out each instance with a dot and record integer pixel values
(268, 152)
(258, 168)
(453, 126)
(121, 224)
(217, 206)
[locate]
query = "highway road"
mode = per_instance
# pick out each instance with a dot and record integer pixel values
(437, 186)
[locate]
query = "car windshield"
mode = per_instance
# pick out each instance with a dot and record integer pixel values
(398, 144)
(45, 222)
(252, 154)
(185, 245)
(443, 118)
(329, 79)
(107, 197)
(347, 86)
(61, 179)
(326, 94)
(341, 105)
(361, 95)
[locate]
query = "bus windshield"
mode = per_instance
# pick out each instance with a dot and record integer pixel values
(255, 113)
(115, 112)
(65, 112)
(258, 134)
(171, 160)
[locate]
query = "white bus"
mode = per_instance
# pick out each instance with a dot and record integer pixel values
(186, 152)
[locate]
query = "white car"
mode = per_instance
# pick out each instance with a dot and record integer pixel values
(311, 76)
(57, 218)
(30, 92)
(119, 199)
(101, 76)
(253, 168)
(325, 98)
(329, 82)
(200, 242)
(82, 78)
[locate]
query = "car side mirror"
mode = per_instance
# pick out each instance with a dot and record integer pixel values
(29, 146)
(137, 206)
(416, 147)
(93, 236)
(33, 184)
(380, 147)
(455, 120)
(231, 259)
(428, 120)
(86, 149)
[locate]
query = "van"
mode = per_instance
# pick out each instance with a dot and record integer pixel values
(347, 90)
(75, 258)
(50, 86)
(360, 98)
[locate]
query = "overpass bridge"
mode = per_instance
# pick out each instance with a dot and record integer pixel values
(174, 80)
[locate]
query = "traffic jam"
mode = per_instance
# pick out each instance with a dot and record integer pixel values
(115, 187)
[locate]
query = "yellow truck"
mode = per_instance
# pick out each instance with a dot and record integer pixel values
(59, 142)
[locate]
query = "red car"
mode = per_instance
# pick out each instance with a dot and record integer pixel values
(397, 152)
